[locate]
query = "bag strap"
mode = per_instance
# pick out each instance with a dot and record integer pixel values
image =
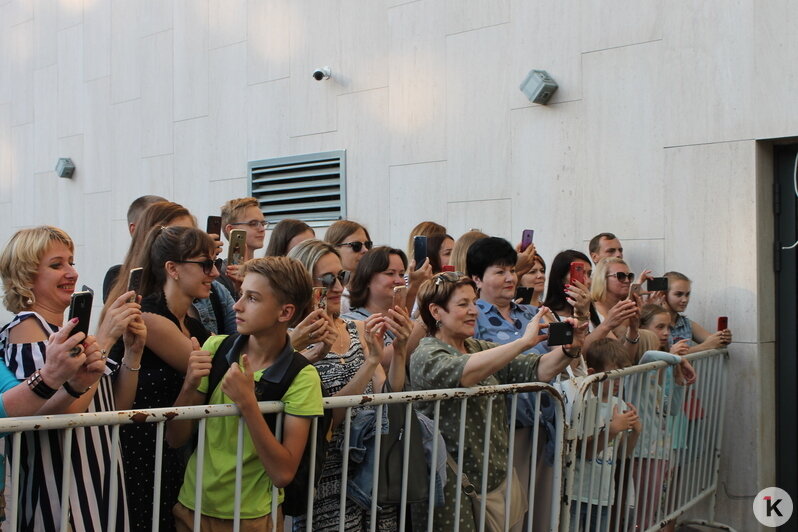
(468, 487)
(222, 360)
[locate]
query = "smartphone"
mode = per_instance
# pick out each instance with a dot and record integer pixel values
(524, 293)
(320, 297)
(238, 245)
(657, 284)
(399, 296)
(80, 307)
(723, 323)
(526, 238)
(134, 282)
(634, 288)
(448, 268)
(214, 225)
(560, 333)
(419, 250)
(578, 272)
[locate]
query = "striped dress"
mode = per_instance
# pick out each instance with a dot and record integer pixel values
(336, 370)
(41, 459)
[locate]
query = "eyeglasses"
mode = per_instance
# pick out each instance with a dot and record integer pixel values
(357, 246)
(621, 276)
(254, 224)
(207, 265)
(451, 277)
(328, 279)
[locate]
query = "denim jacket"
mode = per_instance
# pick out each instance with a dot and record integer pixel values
(360, 482)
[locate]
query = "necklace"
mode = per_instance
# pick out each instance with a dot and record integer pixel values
(342, 342)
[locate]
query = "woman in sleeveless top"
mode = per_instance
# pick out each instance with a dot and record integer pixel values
(39, 278)
(178, 269)
(347, 367)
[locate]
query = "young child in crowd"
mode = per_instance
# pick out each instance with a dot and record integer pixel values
(611, 420)
(274, 291)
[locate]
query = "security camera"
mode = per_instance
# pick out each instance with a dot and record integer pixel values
(322, 73)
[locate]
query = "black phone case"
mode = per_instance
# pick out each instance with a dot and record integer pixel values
(214, 225)
(419, 250)
(524, 293)
(560, 333)
(657, 284)
(80, 307)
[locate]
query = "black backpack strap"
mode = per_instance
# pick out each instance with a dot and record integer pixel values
(221, 361)
(270, 391)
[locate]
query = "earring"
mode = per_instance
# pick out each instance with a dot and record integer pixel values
(438, 324)
(29, 302)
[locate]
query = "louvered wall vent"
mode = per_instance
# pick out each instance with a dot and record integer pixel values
(311, 188)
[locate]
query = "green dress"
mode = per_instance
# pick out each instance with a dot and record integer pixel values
(434, 365)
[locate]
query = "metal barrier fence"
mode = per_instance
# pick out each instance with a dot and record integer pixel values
(613, 482)
(534, 395)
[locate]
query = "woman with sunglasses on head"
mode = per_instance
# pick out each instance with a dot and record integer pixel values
(66, 373)
(617, 308)
(349, 363)
(450, 357)
(178, 269)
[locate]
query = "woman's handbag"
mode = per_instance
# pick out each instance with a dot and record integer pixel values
(495, 501)
(392, 458)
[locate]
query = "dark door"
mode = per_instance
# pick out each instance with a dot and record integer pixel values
(786, 226)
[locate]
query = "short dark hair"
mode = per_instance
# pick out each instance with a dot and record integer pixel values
(374, 261)
(139, 205)
(487, 252)
(593, 246)
(439, 290)
(606, 353)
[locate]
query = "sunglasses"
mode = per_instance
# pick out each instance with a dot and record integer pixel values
(357, 246)
(451, 277)
(254, 224)
(328, 279)
(621, 276)
(207, 265)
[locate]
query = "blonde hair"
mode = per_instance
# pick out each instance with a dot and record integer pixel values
(598, 286)
(460, 249)
(288, 279)
(308, 253)
(234, 208)
(649, 341)
(20, 260)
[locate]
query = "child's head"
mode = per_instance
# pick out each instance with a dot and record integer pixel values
(274, 292)
(678, 291)
(657, 320)
(606, 354)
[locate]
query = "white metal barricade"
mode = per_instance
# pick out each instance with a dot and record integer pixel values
(617, 483)
(536, 394)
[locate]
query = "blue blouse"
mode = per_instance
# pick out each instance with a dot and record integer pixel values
(492, 326)
(7, 381)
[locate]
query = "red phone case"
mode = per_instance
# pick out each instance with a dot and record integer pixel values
(578, 272)
(723, 323)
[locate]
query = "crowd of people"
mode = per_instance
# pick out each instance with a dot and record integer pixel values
(342, 317)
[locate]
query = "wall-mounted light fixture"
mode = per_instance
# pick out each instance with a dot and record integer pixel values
(65, 167)
(538, 86)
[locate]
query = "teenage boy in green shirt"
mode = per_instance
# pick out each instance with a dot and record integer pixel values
(274, 293)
